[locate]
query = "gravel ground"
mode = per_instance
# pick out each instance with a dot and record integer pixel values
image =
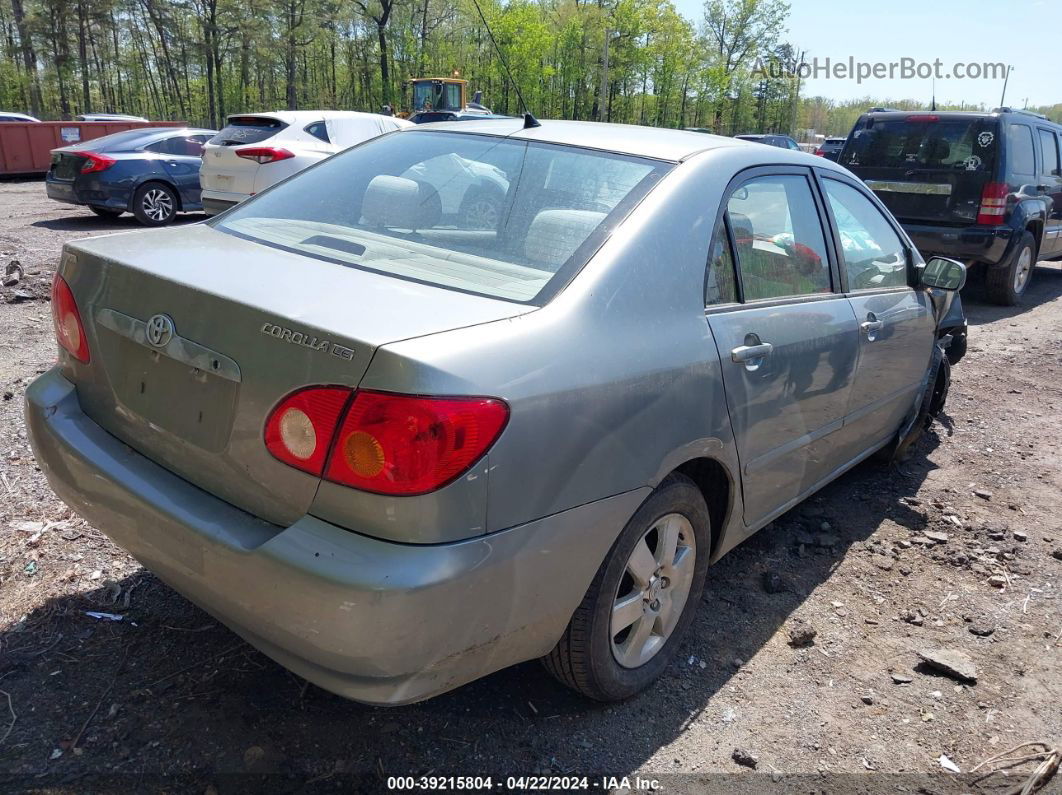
(168, 698)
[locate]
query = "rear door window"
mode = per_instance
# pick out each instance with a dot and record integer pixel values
(247, 130)
(1020, 154)
(873, 254)
(781, 250)
(1048, 153)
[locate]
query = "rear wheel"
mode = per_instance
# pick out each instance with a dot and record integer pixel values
(105, 212)
(1006, 284)
(642, 600)
(155, 204)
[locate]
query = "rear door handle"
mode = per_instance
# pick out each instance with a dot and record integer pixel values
(748, 354)
(870, 326)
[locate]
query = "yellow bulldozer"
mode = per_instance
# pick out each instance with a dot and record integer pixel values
(442, 95)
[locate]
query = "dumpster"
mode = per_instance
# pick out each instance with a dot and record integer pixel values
(25, 148)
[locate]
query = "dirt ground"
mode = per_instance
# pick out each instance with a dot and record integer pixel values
(169, 699)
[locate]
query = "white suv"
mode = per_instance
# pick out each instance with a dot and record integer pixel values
(254, 151)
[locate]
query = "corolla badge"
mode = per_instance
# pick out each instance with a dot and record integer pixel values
(159, 330)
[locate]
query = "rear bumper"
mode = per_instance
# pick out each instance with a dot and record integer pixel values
(374, 621)
(73, 193)
(215, 201)
(986, 244)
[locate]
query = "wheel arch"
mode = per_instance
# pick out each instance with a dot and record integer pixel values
(717, 486)
(162, 181)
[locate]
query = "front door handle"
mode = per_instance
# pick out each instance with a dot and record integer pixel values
(752, 356)
(870, 326)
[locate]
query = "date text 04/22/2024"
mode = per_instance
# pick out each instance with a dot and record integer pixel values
(534, 783)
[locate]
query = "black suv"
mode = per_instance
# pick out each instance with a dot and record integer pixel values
(984, 188)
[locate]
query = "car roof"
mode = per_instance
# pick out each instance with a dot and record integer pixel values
(25, 116)
(305, 116)
(658, 143)
(998, 113)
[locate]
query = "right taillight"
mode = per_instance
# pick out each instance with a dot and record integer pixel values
(68, 328)
(264, 154)
(993, 204)
(383, 442)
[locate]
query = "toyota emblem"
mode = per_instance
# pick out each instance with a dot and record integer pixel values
(159, 330)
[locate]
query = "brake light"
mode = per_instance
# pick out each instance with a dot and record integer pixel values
(94, 162)
(820, 153)
(264, 154)
(404, 444)
(923, 117)
(993, 203)
(68, 329)
(300, 428)
(385, 443)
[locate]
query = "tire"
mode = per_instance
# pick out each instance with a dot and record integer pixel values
(930, 404)
(154, 204)
(607, 666)
(481, 208)
(957, 349)
(105, 212)
(1006, 284)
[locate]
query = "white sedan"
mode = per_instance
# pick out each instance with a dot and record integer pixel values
(254, 151)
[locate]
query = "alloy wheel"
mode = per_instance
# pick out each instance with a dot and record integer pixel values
(653, 590)
(157, 204)
(1023, 270)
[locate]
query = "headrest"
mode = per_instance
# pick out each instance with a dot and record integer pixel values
(556, 234)
(400, 203)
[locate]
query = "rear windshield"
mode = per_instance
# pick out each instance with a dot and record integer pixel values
(493, 216)
(247, 130)
(120, 141)
(924, 143)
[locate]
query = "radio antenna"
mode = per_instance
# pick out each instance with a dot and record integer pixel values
(529, 119)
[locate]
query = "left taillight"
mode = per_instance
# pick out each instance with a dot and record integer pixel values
(69, 330)
(264, 154)
(94, 162)
(300, 428)
(382, 442)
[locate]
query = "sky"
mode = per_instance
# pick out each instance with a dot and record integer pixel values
(1020, 33)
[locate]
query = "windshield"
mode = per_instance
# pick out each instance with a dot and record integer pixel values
(494, 216)
(436, 95)
(924, 143)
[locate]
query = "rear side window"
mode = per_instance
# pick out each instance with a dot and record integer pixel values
(874, 256)
(780, 246)
(1048, 152)
(182, 145)
(247, 130)
(318, 130)
(720, 286)
(924, 142)
(1020, 150)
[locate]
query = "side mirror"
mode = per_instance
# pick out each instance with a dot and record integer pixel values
(944, 273)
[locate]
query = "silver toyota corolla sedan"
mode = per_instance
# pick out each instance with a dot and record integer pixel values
(397, 446)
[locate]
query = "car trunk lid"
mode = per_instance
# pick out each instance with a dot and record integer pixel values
(195, 335)
(925, 167)
(66, 165)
